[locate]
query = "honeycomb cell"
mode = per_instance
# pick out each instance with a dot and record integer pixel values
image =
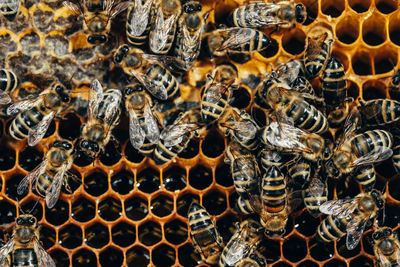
(162, 206)
(96, 183)
(163, 255)
(7, 158)
(241, 98)
(307, 263)
(293, 41)
(191, 151)
(11, 187)
(213, 144)
(33, 207)
(394, 28)
(29, 158)
(347, 29)
(215, 202)
(386, 6)
(70, 236)
(321, 251)
(133, 154)
(83, 209)
(96, 235)
(176, 232)
(187, 256)
(352, 89)
(227, 226)
(47, 236)
(136, 208)
(60, 258)
(69, 127)
(122, 182)
(385, 169)
(332, 8)
(109, 209)
(282, 264)
(174, 179)
(183, 203)
(137, 256)
(81, 159)
(251, 81)
(344, 252)
(200, 177)
(223, 175)
(149, 233)
(373, 89)
(374, 30)
(84, 258)
(306, 224)
(361, 261)
(272, 49)
(58, 214)
(294, 248)
(111, 154)
(384, 62)
(43, 20)
(393, 186)
(368, 242)
(335, 263)
(123, 234)
(270, 249)
(58, 44)
(361, 62)
(111, 257)
(30, 42)
(148, 180)
(360, 6)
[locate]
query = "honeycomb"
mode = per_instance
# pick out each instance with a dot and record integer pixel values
(129, 211)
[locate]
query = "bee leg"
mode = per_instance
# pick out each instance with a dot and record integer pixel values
(67, 187)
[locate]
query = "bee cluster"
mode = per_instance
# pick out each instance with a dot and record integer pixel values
(301, 134)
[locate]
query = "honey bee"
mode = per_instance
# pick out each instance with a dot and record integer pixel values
(34, 115)
(242, 244)
(191, 6)
(24, 248)
(315, 194)
(138, 22)
(8, 81)
(349, 216)
(163, 31)
(302, 85)
(300, 172)
(204, 234)
(386, 247)
(270, 158)
(318, 50)
(155, 77)
(97, 15)
(217, 92)
(365, 176)
(103, 114)
(49, 176)
(258, 14)
(396, 158)
(395, 81)
(236, 40)
(143, 126)
(379, 112)
(9, 8)
(255, 259)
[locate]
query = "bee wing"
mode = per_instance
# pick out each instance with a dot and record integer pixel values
(36, 133)
(246, 129)
(163, 60)
(73, 7)
(350, 125)
(289, 72)
(113, 107)
(23, 105)
(140, 17)
(354, 230)
(340, 208)
(378, 154)
(44, 258)
(4, 251)
(136, 133)
(286, 136)
(151, 126)
(236, 39)
(95, 96)
(53, 192)
(214, 93)
(172, 135)
(32, 176)
(370, 111)
(156, 88)
(119, 8)
(317, 187)
(12, 4)
(4, 98)
(161, 30)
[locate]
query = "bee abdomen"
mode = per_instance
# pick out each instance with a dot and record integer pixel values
(43, 183)
(366, 142)
(312, 202)
(307, 117)
(396, 158)
(334, 83)
(366, 176)
(131, 38)
(24, 122)
(243, 206)
(160, 74)
(110, 96)
(8, 80)
(163, 154)
(302, 85)
(273, 189)
(300, 172)
(240, 16)
(331, 229)
(385, 111)
(315, 65)
(24, 257)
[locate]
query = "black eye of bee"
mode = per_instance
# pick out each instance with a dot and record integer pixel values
(31, 221)
(20, 221)
(387, 232)
(97, 39)
(94, 147)
(57, 144)
(67, 146)
(65, 98)
(377, 235)
(84, 144)
(299, 13)
(192, 8)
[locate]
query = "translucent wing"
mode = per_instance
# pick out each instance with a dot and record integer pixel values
(4, 251)
(253, 15)
(190, 47)
(36, 133)
(173, 134)
(23, 105)
(136, 133)
(214, 93)
(4, 98)
(140, 17)
(340, 208)
(156, 88)
(237, 251)
(289, 72)
(113, 107)
(316, 187)
(350, 125)
(247, 167)
(53, 192)
(236, 39)
(95, 97)
(32, 176)
(107, 5)
(11, 4)
(286, 136)
(246, 130)
(73, 7)
(119, 8)
(378, 154)
(159, 35)
(151, 126)
(354, 229)
(44, 258)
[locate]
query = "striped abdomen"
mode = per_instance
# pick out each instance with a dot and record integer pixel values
(364, 143)
(110, 96)
(25, 121)
(8, 80)
(366, 176)
(24, 257)
(300, 172)
(159, 74)
(302, 85)
(334, 83)
(244, 174)
(44, 182)
(258, 41)
(332, 228)
(243, 205)
(163, 154)
(142, 38)
(314, 64)
(148, 147)
(313, 201)
(247, 16)
(396, 158)
(159, 46)
(273, 190)
(380, 111)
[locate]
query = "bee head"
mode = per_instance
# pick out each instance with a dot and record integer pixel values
(377, 197)
(89, 147)
(130, 89)
(25, 226)
(301, 13)
(193, 22)
(26, 220)
(62, 91)
(120, 54)
(63, 144)
(192, 7)
(332, 169)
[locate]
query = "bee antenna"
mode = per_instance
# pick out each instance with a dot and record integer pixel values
(19, 207)
(34, 206)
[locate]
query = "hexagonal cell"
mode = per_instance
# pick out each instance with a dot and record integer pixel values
(361, 261)
(307, 263)
(58, 214)
(294, 248)
(60, 258)
(392, 214)
(111, 257)
(47, 236)
(162, 206)
(83, 209)
(7, 213)
(272, 49)
(200, 177)
(188, 256)
(227, 226)
(150, 233)
(111, 154)
(306, 224)
(133, 154)
(384, 62)
(33, 207)
(137, 256)
(84, 258)
(335, 263)
(348, 29)
(176, 232)
(123, 234)
(109, 209)
(96, 183)
(361, 62)
(393, 188)
(29, 158)
(183, 203)
(7, 157)
(386, 6)
(11, 187)
(394, 28)
(163, 255)
(122, 182)
(148, 180)
(70, 236)
(241, 98)
(352, 89)
(332, 8)
(360, 6)
(213, 144)
(321, 251)
(70, 127)
(270, 249)
(222, 175)
(293, 41)
(191, 150)
(96, 235)
(374, 30)
(373, 89)
(81, 159)
(174, 179)
(215, 202)
(136, 208)
(367, 242)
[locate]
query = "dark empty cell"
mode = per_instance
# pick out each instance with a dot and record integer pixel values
(83, 210)
(132, 154)
(223, 175)
(7, 157)
(335, 263)
(350, 190)
(239, 57)
(215, 202)
(361, 261)
(11, 187)
(368, 243)
(7, 213)
(121, 131)
(272, 49)
(58, 214)
(50, 130)
(374, 90)
(200, 177)
(123, 234)
(282, 264)
(270, 249)
(70, 236)
(321, 251)
(111, 154)
(183, 203)
(81, 159)
(385, 168)
(191, 150)
(32, 207)
(393, 188)
(293, 42)
(29, 158)
(259, 116)
(373, 38)
(294, 248)
(347, 29)
(148, 180)
(386, 6)
(176, 232)
(96, 235)
(361, 65)
(136, 208)
(150, 233)
(188, 256)
(251, 81)
(109, 209)
(308, 263)
(122, 182)
(213, 144)
(332, 8)
(96, 183)
(306, 224)
(162, 206)
(111, 257)
(174, 179)
(137, 256)
(360, 6)
(353, 89)
(384, 65)
(227, 226)
(163, 255)
(374, 30)
(84, 258)
(47, 236)
(73, 184)
(69, 128)
(240, 98)
(60, 258)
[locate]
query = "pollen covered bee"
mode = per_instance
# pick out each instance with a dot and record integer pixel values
(138, 21)
(103, 115)
(386, 247)
(9, 8)
(24, 248)
(97, 15)
(349, 216)
(49, 176)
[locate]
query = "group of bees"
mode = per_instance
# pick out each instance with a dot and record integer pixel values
(296, 147)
